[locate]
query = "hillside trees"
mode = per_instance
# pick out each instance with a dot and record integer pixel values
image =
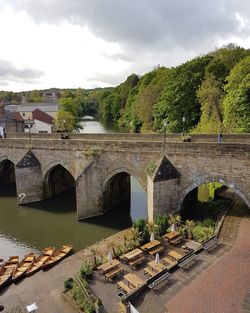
(179, 96)
(210, 95)
(237, 100)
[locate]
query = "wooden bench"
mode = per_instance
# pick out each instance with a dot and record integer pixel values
(187, 261)
(166, 260)
(148, 271)
(113, 273)
(156, 250)
(124, 287)
(137, 261)
(176, 240)
(211, 244)
(159, 280)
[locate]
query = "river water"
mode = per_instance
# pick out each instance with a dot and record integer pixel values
(53, 222)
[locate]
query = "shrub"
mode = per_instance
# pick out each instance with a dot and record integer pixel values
(68, 284)
(86, 270)
(162, 222)
(201, 233)
(140, 224)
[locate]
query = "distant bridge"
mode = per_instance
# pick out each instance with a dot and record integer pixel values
(100, 165)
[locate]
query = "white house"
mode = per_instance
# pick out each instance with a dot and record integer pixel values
(40, 122)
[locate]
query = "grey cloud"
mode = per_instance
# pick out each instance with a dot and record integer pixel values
(8, 72)
(145, 23)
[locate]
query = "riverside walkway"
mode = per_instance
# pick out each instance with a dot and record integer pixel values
(220, 282)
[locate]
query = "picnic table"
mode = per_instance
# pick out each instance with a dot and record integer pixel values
(157, 267)
(171, 235)
(175, 255)
(133, 280)
(133, 254)
(106, 267)
(150, 245)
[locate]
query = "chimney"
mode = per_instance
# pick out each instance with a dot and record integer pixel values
(2, 110)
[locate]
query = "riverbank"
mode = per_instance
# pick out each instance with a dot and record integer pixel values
(46, 287)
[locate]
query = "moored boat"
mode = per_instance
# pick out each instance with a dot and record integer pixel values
(39, 261)
(7, 269)
(57, 256)
(23, 266)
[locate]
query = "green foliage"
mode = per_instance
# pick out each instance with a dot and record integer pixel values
(80, 297)
(92, 152)
(140, 224)
(65, 121)
(162, 222)
(35, 96)
(98, 302)
(237, 101)
(189, 227)
(212, 188)
(209, 95)
(86, 270)
(179, 96)
(201, 233)
(194, 89)
(174, 219)
(151, 167)
(68, 284)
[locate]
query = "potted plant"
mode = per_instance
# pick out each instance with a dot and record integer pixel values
(99, 307)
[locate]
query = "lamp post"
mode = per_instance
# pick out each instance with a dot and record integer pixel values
(183, 124)
(64, 126)
(165, 124)
(30, 124)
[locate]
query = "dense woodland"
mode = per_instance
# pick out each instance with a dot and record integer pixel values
(208, 94)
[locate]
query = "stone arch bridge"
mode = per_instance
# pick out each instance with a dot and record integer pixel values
(100, 165)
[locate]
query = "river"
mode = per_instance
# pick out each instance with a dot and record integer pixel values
(53, 222)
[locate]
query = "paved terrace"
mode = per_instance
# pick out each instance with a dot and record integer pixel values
(218, 282)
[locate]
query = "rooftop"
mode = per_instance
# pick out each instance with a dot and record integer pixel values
(30, 107)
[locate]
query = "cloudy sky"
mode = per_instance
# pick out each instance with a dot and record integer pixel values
(90, 43)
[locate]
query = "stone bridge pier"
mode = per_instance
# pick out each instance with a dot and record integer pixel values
(100, 166)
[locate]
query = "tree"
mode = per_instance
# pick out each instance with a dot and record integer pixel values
(210, 95)
(65, 121)
(179, 96)
(237, 100)
(174, 219)
(189, 226)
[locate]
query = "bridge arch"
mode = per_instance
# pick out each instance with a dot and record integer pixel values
(56, 180)
(7, 171)
(53, 164)
(125, 170)
(117, 188)
(201, 181)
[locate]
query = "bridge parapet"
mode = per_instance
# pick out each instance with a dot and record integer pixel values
(227, 138)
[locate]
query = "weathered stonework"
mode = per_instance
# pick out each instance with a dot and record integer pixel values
(187, 165)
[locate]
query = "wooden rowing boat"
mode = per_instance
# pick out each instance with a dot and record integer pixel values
(57, 256)
(39, 261)
(23, 266)
(7, 269)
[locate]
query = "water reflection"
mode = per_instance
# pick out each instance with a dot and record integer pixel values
(95, 127)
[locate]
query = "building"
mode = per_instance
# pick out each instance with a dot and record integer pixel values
(11, 122)
(42, 122)
(36, 116)
(26, 109)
